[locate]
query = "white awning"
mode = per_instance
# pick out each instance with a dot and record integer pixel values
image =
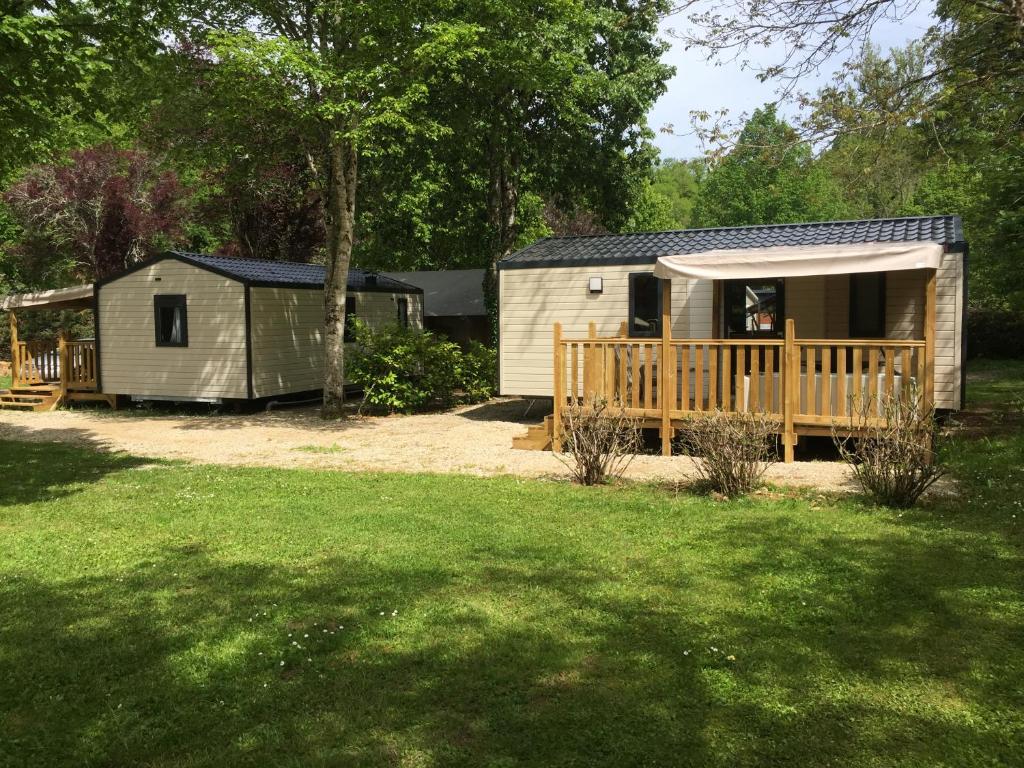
(799, 261)
(75, 297)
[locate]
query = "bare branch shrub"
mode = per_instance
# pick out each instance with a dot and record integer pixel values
(891, 455)
(733, 450)
(599, 440)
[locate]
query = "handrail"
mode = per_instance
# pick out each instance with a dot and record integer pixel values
(810, 382)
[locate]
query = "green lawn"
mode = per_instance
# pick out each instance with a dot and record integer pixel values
(169, 615)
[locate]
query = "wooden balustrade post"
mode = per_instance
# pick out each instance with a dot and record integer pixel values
(929, 339)
(558, 391)
(790, 379)
(15, 350)
(63, 360)
(666, 369)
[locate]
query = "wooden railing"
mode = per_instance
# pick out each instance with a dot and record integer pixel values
(72, 364)
(35, 362)
(78, 371)
(804, 383)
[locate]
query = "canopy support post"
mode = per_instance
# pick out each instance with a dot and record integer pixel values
(790, 380)
(666, 385)
(15, 350)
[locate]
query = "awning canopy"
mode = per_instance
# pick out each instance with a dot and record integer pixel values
(75, 297)
(799, 261)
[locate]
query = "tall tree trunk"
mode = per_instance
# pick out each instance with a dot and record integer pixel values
(502, 201)
(339, 219)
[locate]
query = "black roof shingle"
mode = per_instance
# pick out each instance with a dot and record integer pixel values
(290, 273)
(645, 247)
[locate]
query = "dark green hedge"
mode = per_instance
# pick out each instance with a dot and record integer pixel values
(995, 333)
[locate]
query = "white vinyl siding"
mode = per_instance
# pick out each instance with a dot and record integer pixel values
(287, 340)
(213, 365)
(288, 328)
(533, 300)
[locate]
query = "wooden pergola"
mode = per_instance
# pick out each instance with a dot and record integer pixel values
(44, 372)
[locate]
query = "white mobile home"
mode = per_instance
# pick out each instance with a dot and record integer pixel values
(192, 327)
(871, 305)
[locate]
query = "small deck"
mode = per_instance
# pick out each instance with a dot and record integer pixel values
(45, 374)
(812, 387)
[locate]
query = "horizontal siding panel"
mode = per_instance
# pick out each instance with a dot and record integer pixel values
(212, 365)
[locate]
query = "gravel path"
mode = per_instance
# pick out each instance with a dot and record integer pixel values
(471, 440)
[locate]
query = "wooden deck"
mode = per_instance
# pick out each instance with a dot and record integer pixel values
(811, 386)
(45, 374)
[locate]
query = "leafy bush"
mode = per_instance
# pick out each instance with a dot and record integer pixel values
(405, 370)
(599, 440)
(995, 333)
(732, 450)
(479, 372)
(892, 456)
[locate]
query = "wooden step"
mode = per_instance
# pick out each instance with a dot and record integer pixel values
(28, 399)
(537, 437)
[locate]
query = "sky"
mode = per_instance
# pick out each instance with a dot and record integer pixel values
(701, 85)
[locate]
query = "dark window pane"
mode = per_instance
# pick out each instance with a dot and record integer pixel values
(170, 317)
(403, 312)
(754, 307)
(645, 305)
(867, 305)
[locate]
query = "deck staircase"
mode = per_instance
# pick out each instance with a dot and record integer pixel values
(34, 397)
(537, 437)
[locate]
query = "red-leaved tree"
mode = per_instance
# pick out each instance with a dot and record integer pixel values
(101, 211)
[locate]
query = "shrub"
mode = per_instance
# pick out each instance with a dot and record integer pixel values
(995, 333)
(479, 373)
(892, 456)
(599, 441)
(405, 370)
(732, 450)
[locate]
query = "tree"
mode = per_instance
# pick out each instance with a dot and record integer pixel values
(769, 178)
(97, 214)
(545, 107)
(679, 181)
(340, 79)
(63, 65)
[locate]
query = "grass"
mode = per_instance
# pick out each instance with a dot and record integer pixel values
(175, 615)
(333, 448)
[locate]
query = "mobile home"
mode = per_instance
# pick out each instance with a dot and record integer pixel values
(870, 306)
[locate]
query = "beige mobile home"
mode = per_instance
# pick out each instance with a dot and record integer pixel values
(190, 327)
(803, 321)
(210, 328)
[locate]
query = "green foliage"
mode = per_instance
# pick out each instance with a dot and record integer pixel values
(994, 332)
(604, 622)
(678, 181)
(478, 372)
(769, 178)
(405, 370)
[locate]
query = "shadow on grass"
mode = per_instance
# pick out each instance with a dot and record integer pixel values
(46, 464)
(179, 661)
(163, 666)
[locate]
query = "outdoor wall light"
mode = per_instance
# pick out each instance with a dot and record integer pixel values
(597, 285)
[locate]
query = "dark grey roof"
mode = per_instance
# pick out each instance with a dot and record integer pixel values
(449, 292)
(290, 273)
(645, 247)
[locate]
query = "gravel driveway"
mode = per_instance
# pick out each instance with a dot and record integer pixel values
(471, 440)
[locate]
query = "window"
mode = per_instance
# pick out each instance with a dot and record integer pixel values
(403, 312)
(171, 320)
(867, 305)
(350, 313)
(754, 308)
(644, 304)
